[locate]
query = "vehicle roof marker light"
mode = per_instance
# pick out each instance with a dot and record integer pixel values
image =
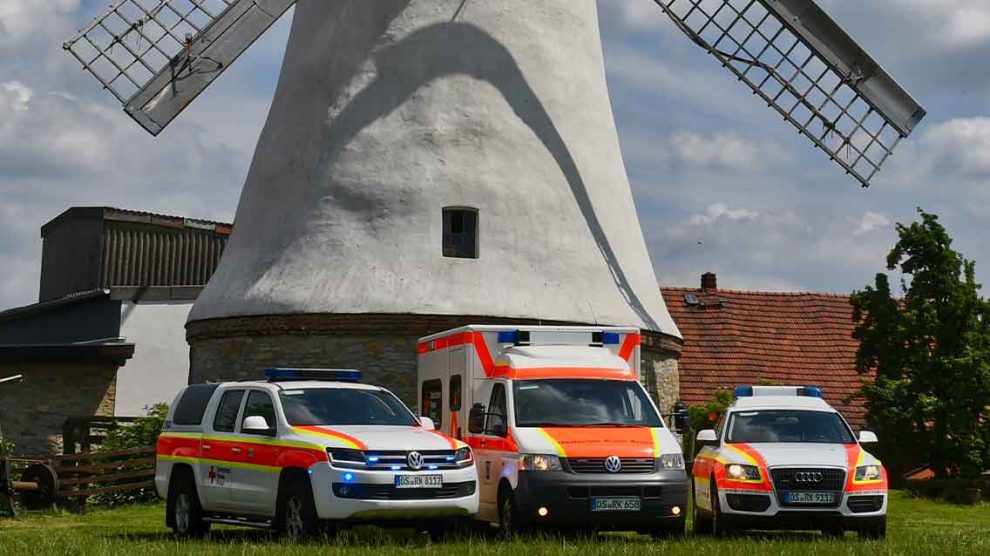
(284, 374)
(810, 392)
(610, 338)
(508, 337)
(742, 392)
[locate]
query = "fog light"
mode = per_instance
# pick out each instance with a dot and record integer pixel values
(543, 511)
(676, 510)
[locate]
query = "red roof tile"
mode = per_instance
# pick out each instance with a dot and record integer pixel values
(737, 337)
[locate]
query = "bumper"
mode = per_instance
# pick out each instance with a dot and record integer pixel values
(355, 495)
(749, 510)
(567, 498)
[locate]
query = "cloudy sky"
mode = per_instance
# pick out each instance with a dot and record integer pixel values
(721, 184)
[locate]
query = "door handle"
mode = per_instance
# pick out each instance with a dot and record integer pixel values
(483, 443)
(235, 450)
(250, 452)
(207, 447)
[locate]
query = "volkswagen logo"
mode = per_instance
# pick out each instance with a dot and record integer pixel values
(415, 461)
(613, 464)
(808, 477)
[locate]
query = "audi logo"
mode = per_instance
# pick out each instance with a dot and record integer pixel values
(808, 477)
(613, 464)
(415, 460)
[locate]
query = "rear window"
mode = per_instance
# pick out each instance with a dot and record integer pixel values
(192, 404)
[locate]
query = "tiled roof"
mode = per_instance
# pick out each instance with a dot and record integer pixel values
(738, 337)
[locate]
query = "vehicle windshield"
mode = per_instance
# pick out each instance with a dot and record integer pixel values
(344, 406)
(788, 425)
(583, 403)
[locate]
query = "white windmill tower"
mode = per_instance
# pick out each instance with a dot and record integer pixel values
(432, 162)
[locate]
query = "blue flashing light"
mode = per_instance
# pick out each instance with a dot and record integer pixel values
(810, 392)
(451, 458)
(508, 337)
(743, 392)
(348, 477)
(610, 338)
(333, 375)
(432, 467)
(396, 467)
(373, 459)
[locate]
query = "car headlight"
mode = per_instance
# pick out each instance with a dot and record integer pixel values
(672, 461)
(348, 459)
(464, 457)
(868, 473)
(537, 462)
(743, 472)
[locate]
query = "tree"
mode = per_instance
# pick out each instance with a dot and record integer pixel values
(930, 352)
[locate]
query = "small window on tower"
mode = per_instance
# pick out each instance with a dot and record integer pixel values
(460, 233)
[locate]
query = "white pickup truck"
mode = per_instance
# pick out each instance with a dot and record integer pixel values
(305, 449)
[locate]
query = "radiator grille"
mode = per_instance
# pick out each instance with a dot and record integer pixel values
(389, 492)
(808, 479)
(597, 465)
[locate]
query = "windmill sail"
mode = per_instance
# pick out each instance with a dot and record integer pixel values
(798, 59)
(157, 56)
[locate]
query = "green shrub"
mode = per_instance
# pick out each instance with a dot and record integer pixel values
(142, 433)
(6, 447)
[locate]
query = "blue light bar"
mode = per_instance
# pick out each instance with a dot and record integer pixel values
(810, 391)
(332, 375)
(508, 337)
(610, 338)
(743, 392)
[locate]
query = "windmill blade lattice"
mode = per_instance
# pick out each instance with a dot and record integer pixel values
(156, 56)
(794, 56)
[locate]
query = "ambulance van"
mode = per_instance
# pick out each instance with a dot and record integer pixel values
(564, 434)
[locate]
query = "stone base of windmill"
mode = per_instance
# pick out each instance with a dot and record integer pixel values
(383, 346)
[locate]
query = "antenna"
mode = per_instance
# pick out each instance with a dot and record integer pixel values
(157, 56)
(801, 62)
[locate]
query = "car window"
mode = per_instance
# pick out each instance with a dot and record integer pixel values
(259, 404)
(226, 417)
(496, 408)
(431, 404)
(786, 425)
(344, 406)
(192, 405)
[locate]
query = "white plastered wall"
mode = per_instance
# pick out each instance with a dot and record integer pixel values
(160, 366)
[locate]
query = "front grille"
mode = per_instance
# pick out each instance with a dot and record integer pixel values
(597, 465)
(808, 479)
(748, 502)
(580, 492)
(393, 460)
(865, 504)
(389, 492)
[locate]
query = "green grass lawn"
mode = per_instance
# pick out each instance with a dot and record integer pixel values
(916, 527)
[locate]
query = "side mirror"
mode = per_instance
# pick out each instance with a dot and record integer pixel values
(427, 423)
(868, 437)
(476, 419)
(256, 424)
(706, 437)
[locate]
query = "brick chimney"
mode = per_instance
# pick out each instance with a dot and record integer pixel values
(709, 281)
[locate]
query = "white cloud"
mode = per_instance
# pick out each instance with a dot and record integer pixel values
(22, 21)
(870, 222)
(16, 96)
(956, 24)
(717, 211)
(728, 151)
(949, 158)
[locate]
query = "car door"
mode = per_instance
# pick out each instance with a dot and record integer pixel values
(256, 477)
(216, 465)
(491, 453)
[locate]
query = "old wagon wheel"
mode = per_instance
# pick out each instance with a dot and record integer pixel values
(45, 495)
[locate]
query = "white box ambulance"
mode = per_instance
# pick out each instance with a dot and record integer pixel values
(564, 433)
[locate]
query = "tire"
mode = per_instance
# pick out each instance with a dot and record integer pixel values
(295, 514)
(701, 524)
(717, 525)
(185, 513)
(509, 520)
(874, 532)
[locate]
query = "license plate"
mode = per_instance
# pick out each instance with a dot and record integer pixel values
(810, 498)
(419, 481)
(628, 504)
